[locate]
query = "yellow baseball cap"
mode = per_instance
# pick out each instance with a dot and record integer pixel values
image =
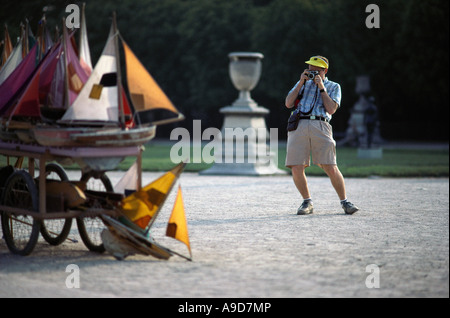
(318, 61)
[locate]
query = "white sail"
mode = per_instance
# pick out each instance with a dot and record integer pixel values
(85, 54)
(98, 99)
(12, 62)
(128, 181)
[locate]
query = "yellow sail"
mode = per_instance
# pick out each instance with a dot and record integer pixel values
(145, 93)
(142, 206)
(177, 226)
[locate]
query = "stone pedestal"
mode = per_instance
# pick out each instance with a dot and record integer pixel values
(370, 153)
(357, 132)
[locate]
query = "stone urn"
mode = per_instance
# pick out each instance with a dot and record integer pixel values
(248, 155)
(245, 72)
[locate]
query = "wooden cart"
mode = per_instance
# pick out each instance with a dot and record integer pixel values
(27, 209)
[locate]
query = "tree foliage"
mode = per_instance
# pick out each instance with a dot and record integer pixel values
(184, 44)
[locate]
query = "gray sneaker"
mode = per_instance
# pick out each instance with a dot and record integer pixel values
(349, 207)
(305, 208)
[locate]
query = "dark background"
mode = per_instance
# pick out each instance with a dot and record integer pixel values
(184, 45)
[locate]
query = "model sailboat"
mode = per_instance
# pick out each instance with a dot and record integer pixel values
(102, 103)
(11, 58)
(130, 233)
(7, 48)
(54, 92)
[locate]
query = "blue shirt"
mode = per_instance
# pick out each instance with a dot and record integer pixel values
(311, 96)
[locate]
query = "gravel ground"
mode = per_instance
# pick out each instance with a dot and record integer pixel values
(247, 241)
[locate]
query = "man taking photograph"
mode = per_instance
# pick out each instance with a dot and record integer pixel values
(316, 98)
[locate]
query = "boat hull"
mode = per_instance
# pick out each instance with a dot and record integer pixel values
(115, 137)
(59, 136)
(93, 137)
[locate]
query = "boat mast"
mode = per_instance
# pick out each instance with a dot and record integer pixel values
(66, 68)
(119, 76)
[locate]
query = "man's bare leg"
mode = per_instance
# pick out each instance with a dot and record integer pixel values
(337, 180)
(298, 174)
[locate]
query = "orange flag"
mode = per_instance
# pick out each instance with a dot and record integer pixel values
(177, 226)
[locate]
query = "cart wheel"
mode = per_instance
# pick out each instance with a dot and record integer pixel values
(55, 231)
(21, 231)
(90, 228)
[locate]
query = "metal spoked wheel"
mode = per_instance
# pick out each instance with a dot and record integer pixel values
(21, 231)
(90, 228)
(55, 231)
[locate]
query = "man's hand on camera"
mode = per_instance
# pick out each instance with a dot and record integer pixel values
(304, 76)
(318, 81)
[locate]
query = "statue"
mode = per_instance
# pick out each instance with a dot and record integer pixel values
(370, 120)
(363, 124)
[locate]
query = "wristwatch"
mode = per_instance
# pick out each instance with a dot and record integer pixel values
(323, 90)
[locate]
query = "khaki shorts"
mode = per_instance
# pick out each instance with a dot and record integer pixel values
(312, 137)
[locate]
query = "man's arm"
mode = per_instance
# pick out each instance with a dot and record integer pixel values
(330, 105)
(290, 98)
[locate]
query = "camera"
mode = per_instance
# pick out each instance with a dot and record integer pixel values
(312, 74)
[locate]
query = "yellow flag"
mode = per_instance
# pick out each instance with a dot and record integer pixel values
(142, 206)
(177, 226)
